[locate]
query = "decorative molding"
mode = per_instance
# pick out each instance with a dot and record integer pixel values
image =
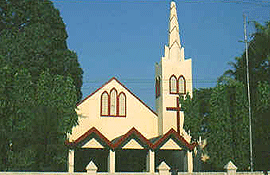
(132, 134)
(174, 43)
(175, 27)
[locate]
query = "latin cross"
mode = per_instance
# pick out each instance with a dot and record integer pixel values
(177, 109)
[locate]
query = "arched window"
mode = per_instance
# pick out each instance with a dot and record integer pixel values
(173, 85)
(157, 87)
(113, 102)
(104, 104)
(181, 85)
(122, 104)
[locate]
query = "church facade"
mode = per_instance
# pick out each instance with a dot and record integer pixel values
(119, 132)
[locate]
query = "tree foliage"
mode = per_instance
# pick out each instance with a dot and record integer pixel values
(219, 115)
(16, 98)
(227, 135)
(40, 81)
(197, 111)
(33, 36)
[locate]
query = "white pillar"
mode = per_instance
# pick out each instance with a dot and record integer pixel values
(111, 162)
(231, 168)
(91, 168)
(163, 169)
(71, 161)
(189, 162)
(150, 161)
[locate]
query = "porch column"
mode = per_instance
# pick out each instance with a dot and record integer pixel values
(189, 162)
(71, 161)
(150, 161)
(111, 162)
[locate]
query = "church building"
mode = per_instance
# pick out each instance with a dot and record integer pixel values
(120, 133)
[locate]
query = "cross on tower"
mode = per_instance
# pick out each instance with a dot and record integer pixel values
(177, 109)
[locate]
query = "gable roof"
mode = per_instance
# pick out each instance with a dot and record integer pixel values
(124, 88)
(160, 141)
(133, 133)
(91, 133)
(119, 142)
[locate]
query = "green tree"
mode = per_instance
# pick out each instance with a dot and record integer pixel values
(54, 116)
(197, 111)
(227, 136)
(219, 115)
(197, 114)
(33, 36)
(35, 120)
(40, 86)
(16, 101)
(260, 126)
(259, 70)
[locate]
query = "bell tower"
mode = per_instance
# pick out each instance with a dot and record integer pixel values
(173, 77)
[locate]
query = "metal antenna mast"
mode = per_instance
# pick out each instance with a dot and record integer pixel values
(249, 106)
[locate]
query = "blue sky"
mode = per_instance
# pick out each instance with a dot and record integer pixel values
(124, 39)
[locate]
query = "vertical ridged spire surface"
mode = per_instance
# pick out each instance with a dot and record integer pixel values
(174, 27)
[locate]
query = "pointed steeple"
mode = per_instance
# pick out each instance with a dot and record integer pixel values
(174, 38)
(174, 27)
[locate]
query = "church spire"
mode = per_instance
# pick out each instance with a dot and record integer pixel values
(174, 38)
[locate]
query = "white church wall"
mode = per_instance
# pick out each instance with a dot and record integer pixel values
(177, 68)
(137, 115)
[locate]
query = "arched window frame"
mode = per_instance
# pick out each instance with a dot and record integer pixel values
(116, 102)
(158, 87)
(178, 84)
(108, 104)
(170, 84)
(125, 104)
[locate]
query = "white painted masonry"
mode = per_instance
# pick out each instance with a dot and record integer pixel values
(71, 161)
(150, 161)
(190, 161)
(111, 162)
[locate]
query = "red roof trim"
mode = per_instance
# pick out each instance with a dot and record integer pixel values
(123, 87)
(86, 134)
(174, 133)
(128, 134)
